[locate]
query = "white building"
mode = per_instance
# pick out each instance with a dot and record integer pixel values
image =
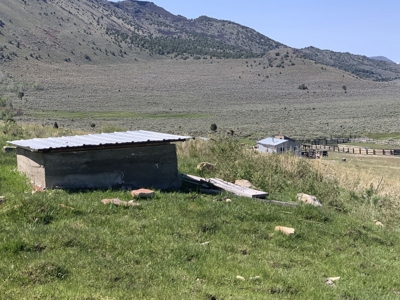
(279, 144)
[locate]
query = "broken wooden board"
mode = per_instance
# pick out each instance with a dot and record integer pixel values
(208, 185)
(237, 190)
(203, 182)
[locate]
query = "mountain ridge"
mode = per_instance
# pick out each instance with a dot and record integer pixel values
(383, 58)
(99, 31)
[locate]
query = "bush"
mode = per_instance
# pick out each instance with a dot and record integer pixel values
(12, 129)
(7, 111)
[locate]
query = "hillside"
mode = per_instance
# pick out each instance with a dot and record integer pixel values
(80, 63)
(256, 97)
(359, 65)
(99, 32)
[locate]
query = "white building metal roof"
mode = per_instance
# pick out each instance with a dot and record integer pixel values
(271, 141)
(101, 139)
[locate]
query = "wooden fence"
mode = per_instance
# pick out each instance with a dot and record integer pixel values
(353, 150)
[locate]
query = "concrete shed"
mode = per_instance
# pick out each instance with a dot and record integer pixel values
(134, 158)
(279, 144)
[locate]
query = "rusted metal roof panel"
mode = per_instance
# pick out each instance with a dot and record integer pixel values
(101, 139)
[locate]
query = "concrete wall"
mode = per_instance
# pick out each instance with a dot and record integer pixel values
(32, 164)
(147, 166)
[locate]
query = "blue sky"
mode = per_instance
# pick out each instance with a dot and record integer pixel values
(366, 27)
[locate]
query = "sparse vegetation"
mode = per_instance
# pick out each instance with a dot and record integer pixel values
(21, 95)
(201, 93)
(7, 111)
(303, 87)
(358, 65)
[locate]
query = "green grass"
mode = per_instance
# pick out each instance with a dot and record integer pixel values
(157, 250)
(112, 114)
(384, 136)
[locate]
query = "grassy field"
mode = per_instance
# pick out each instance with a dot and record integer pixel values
(68, 245)
(246, 96)
(385, 136)
(361, 172)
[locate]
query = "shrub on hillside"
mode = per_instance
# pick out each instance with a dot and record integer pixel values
(7, 111)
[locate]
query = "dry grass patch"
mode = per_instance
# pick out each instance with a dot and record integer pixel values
(362, 172)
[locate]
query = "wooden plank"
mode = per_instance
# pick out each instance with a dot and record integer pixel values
(192, 179)
(236, 189)
(224, 185)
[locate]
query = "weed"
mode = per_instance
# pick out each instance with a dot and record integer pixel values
(42, 272)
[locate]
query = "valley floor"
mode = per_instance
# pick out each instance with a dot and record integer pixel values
(179, 96)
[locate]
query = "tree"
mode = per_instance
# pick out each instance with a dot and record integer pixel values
(213, 127)
(20, 95)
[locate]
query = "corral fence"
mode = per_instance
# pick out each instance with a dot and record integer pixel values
(326, 141)
(351, 150)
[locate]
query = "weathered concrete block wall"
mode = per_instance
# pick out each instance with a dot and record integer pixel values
(148, 166)
(32, 164)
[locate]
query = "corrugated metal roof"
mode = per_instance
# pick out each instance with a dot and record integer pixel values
(271, 141)
(101, 139)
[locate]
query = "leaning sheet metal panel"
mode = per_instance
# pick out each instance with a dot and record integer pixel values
(101, 139)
